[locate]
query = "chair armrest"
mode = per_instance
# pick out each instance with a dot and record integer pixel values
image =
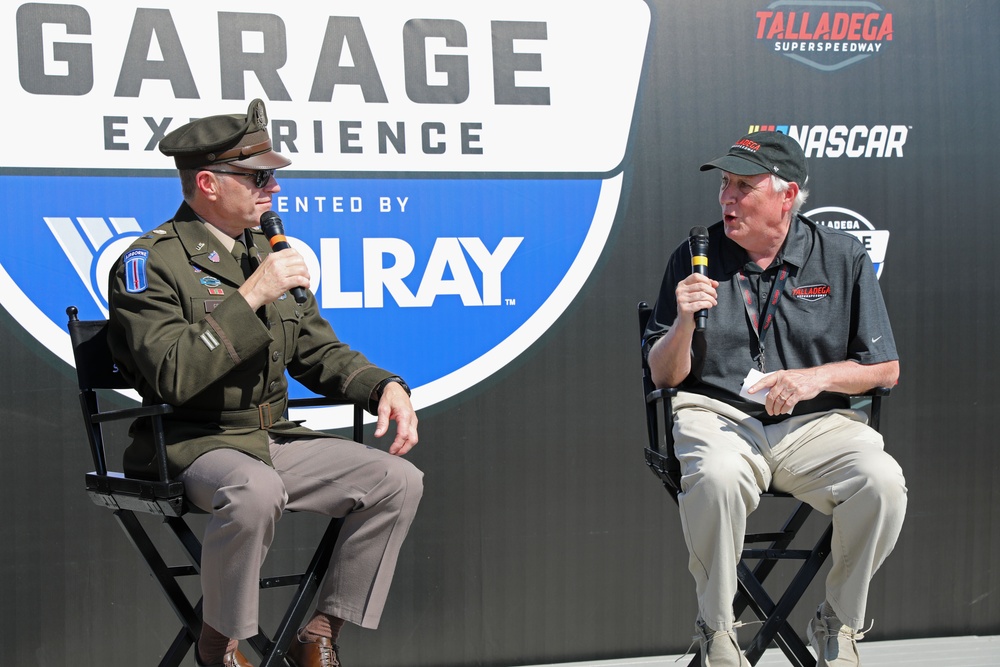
(657, 394)
(357, 432)
(873, 400)
(132, 413)
(316, 401)
(871, 393)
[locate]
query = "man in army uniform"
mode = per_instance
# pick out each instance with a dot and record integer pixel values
(201, 317)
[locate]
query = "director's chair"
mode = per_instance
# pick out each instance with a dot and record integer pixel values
(660, 458)
(164, 498)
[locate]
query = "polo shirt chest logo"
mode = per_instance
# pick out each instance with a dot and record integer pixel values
(811, 292)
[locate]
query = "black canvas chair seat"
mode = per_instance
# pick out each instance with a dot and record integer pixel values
(762, 549)
(127, 497)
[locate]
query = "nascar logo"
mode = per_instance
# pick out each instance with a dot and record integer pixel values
(856, 141)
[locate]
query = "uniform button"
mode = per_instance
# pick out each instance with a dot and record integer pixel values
(298, 313)
(270, 387)
(275, 355)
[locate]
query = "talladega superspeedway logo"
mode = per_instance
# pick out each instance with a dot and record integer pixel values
(827, 36)
(451, 197)
(876, 241)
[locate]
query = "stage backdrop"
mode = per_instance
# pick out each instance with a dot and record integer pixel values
(484, 191)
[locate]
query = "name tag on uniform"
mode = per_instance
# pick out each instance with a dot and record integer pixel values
(212, 305)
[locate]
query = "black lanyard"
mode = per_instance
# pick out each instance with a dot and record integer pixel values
(761, 328)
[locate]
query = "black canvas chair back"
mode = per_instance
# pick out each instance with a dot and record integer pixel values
(129, 497)
(776, 546)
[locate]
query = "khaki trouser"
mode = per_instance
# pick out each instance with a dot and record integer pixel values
(834, 461)
(377, 493)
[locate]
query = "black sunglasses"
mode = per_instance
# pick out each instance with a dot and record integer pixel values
(260, 177)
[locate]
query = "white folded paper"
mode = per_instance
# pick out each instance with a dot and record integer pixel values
(752, 378)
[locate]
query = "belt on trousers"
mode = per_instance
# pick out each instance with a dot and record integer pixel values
(263, 416)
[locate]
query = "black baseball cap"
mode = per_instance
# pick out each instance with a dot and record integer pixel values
(239, 140)
(764, 153)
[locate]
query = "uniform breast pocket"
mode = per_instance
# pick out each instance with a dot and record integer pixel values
(291, 323)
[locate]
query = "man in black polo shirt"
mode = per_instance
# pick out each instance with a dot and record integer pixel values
(795, 324)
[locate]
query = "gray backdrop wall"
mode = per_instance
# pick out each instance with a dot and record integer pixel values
(542, 537)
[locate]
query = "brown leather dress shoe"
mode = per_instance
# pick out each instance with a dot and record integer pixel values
(319, 652)
(232, 659)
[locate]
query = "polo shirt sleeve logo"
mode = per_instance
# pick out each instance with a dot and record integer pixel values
(811, 292)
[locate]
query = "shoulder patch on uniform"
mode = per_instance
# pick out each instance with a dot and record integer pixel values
(135, 270)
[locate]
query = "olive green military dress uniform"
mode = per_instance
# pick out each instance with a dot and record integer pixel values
(182, 334)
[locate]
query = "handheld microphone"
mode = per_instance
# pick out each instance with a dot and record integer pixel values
(698, 243)
(275, 233)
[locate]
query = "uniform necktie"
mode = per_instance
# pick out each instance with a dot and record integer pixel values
(242, 258)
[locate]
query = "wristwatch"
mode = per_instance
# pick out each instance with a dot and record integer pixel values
(380, 387)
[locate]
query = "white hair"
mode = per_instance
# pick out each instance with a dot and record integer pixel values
(780, 185)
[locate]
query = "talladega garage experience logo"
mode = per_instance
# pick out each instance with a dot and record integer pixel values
(455, 174)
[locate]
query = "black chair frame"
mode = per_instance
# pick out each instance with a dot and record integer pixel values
(660, 458)
(164, 498)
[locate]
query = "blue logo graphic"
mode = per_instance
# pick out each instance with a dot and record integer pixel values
(442, 281)
(875, 241)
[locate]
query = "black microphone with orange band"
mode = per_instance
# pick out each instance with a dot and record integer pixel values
(275, 233)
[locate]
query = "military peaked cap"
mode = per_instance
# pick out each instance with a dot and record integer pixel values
(238, 140)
